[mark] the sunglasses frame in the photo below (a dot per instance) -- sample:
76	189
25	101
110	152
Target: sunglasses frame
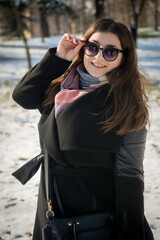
103	49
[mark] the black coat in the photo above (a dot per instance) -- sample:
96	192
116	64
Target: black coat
75	140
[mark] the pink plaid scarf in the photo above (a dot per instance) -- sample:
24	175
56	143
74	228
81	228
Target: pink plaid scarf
70	88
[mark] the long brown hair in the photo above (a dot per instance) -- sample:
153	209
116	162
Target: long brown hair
126	82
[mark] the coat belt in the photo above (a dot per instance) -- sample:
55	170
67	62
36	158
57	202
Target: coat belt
81	172
29	169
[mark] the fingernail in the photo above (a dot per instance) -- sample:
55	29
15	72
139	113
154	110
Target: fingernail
82	40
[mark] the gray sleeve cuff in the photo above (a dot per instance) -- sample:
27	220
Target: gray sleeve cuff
129	160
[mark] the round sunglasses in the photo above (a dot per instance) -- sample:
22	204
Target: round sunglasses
109	53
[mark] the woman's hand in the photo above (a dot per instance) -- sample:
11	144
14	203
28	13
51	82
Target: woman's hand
69	46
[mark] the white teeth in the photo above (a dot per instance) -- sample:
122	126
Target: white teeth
97	65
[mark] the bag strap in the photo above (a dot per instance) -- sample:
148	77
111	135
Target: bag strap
47	183
46	174
50	212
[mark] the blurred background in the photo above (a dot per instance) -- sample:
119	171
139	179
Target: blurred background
27	19
44	18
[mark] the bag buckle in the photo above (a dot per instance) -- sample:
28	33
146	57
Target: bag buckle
70	223
49	213
73	227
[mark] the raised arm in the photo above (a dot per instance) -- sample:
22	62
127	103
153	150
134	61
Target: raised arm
29	92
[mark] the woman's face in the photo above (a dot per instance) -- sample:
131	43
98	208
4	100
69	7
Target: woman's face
97	66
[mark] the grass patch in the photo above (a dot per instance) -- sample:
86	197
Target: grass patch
22	159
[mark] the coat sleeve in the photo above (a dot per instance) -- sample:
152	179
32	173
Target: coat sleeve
129	187
30	90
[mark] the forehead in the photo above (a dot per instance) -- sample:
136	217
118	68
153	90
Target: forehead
105	38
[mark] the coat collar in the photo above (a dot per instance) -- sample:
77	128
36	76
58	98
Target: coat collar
78	128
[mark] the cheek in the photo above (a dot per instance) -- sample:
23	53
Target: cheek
116	63
85	62
119	60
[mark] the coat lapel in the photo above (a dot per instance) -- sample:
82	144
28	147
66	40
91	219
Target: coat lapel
77	127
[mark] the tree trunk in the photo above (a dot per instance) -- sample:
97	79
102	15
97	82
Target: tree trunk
99	4
21	33
27	51
44	25
82	16
137	10
156	15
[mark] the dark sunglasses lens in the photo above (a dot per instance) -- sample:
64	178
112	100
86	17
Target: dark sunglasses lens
91	49
110	54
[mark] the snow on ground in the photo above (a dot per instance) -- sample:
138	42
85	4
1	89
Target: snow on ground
19	140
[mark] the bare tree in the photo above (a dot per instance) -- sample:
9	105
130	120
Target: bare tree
156	14
44	23
20	31
137	8
99	5
82	15
43	17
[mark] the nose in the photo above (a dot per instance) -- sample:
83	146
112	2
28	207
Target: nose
99	54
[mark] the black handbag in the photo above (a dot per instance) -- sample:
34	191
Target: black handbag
87	227
96	226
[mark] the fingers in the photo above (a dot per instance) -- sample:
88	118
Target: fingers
77	48
83	39
69	46
73	39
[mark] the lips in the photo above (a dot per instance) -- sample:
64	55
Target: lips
98	65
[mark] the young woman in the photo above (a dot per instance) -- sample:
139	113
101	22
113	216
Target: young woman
93	125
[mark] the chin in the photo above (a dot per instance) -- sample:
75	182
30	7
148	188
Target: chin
97	75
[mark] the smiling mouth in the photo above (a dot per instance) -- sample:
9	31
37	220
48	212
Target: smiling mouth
98	65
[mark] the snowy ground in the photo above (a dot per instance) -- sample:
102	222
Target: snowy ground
19	141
